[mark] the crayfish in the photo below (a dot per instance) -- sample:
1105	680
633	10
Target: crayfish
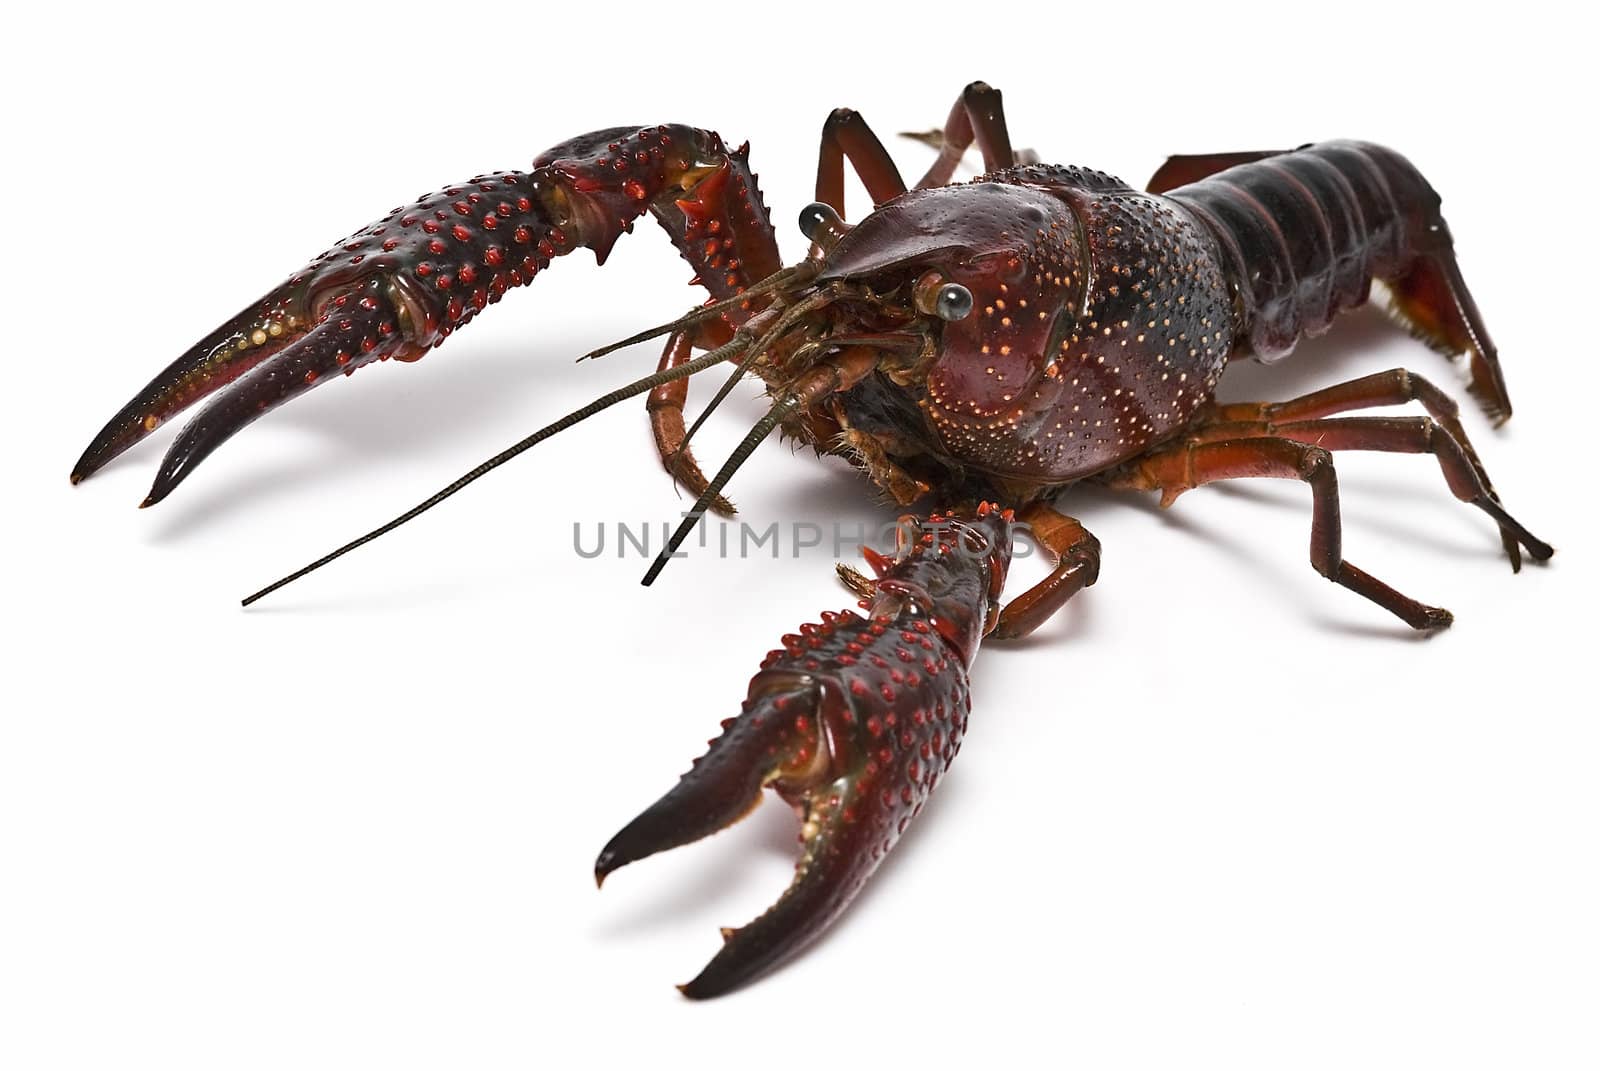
973	346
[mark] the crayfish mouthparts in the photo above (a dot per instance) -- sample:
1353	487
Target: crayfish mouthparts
853	721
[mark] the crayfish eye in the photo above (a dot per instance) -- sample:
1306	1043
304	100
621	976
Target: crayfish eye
821	224
954	302
936	296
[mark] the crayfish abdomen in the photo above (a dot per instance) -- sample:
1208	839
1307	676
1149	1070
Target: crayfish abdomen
1304	234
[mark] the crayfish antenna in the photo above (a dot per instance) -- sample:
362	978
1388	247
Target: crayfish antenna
606	401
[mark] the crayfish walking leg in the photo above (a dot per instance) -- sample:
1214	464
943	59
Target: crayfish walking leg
853	722
1270	446
1306	419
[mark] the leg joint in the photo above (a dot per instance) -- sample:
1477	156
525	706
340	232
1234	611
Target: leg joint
1086	555
841	117
1316	465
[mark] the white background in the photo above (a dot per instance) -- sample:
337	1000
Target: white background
1220	813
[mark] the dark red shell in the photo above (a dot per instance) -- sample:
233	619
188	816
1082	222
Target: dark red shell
449	255
854	720
1101	323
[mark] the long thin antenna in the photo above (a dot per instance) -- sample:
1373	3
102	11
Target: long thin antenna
775	416
722	392
637	387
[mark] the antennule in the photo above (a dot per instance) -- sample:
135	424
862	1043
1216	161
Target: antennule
837	373
789	318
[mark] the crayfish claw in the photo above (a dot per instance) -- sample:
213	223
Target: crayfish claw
779	741
396	288
782	741
853	722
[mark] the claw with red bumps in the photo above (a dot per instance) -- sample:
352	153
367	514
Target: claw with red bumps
853	723
404	284
393	289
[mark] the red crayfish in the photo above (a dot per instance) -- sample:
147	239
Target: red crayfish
977	345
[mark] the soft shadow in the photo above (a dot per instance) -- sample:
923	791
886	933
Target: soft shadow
1387	633
1175	519
1263	559
839	490
258	489
1359	508
427	596
396	421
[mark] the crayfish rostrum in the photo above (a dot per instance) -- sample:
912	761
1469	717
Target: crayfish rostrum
975	347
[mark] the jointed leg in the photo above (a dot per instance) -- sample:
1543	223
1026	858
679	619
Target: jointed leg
1394	387
1077	556
1443	436
1190	464
847	135
1401	435
665	405
977	115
